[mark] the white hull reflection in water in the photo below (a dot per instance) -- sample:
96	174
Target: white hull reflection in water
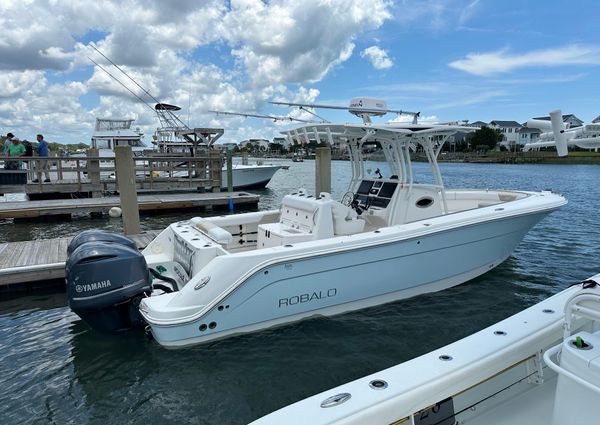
540	366
388	238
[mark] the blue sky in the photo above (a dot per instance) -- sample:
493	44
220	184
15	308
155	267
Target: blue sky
451	60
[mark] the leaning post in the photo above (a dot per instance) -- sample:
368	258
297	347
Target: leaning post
127	193
322	170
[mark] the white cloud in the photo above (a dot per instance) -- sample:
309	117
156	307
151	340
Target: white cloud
436	15
297	42
216	54
502	61
378	57
469	100
468	12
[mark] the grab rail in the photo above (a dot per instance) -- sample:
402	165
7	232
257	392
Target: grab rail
572	306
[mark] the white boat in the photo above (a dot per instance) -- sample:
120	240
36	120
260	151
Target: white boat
540	366
109	133
314	255
176	137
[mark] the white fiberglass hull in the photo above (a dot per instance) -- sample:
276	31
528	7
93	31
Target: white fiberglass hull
347	278
524	370
249	176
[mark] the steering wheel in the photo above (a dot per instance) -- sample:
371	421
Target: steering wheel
347	199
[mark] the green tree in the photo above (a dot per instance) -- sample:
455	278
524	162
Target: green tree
485	136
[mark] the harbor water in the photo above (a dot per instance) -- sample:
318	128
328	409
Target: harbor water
54	369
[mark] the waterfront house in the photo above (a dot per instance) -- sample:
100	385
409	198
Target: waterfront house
509	130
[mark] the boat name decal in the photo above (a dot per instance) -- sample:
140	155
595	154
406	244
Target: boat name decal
183	254
93	286
305	298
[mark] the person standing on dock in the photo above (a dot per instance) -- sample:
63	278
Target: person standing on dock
42	164
29	155
7	143
15	149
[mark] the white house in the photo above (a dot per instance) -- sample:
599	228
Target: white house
528	135
509	130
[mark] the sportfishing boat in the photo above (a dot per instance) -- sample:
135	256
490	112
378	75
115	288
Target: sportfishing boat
109	133
540	366
175	137
315	255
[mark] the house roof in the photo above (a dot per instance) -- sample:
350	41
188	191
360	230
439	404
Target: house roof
505	123
566	117
477	124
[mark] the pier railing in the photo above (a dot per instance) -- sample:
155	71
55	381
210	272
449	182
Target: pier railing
93	173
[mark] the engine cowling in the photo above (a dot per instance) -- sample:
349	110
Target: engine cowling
98	236
105	284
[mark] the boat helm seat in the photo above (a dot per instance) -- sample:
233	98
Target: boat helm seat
346	221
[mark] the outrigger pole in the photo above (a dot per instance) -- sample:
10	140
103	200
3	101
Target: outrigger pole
270	117
174	117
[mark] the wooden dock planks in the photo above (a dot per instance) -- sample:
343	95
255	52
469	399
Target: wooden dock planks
33	209
41	260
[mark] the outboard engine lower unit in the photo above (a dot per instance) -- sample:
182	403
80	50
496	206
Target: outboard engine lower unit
105	284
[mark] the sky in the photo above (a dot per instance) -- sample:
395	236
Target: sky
451	60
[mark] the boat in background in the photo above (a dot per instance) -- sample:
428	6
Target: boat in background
175	137
540	366
315	255
109	133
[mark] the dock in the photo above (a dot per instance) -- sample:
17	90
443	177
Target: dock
43	260
35	209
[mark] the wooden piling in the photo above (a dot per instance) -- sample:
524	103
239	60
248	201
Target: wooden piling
93	169
229	171
215	169
322	170
127	192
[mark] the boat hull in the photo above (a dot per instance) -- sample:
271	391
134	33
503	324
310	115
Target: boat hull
352	279
249	177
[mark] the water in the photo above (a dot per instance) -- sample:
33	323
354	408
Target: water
53	369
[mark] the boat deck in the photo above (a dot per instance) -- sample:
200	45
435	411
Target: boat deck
43	260
533	407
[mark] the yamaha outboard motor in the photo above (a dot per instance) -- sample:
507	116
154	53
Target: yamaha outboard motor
106	282
98	236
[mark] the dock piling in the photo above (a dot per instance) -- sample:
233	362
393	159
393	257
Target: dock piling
229	171
322	170
127	192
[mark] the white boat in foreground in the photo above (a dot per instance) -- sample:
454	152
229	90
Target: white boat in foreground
219	276
538	367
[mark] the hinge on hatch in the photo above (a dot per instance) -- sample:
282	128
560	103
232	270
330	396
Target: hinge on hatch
535	371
